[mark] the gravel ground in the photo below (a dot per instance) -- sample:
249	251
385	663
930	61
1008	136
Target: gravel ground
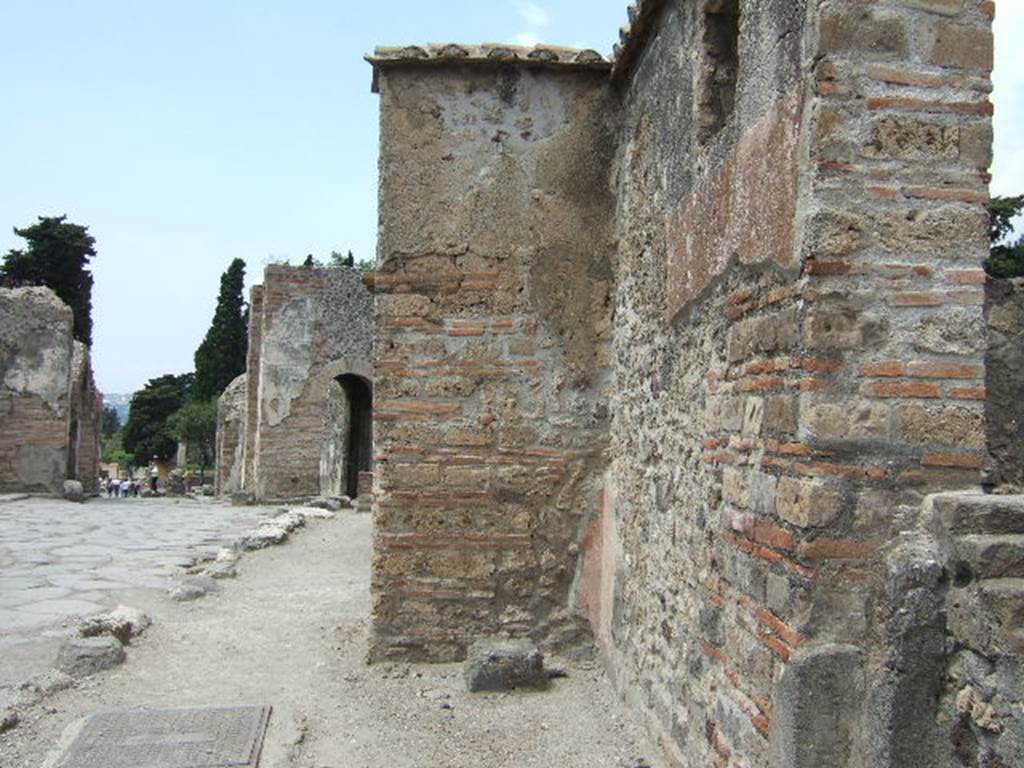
291	632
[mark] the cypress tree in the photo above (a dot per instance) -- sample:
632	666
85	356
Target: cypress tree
57	257
221	356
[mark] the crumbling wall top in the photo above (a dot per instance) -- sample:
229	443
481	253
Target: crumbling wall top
487	55
632	37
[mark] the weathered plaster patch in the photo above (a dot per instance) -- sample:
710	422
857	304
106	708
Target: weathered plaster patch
287	358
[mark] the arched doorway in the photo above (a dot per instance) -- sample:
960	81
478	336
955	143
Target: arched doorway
348	449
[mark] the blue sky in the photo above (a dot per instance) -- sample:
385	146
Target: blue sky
188	133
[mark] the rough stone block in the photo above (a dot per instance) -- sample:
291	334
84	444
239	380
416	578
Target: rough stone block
763	490
735	489
945	425
836	233
840	326
777	331
86	656
989	616
753	416
961	45
990	556
193	588
976	145
905	138
954	331
933	231
975	513
225	565
806	503
861	419
265	536
780	414
73	491
123	622
501	665
861	31
816	707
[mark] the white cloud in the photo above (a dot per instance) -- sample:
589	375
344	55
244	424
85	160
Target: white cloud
528	39
533	14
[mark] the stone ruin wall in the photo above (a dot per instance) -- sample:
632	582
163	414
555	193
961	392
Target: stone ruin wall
800	349
49	407
493	296
86	422
252	387
797	362
230	441
1004	380
307	326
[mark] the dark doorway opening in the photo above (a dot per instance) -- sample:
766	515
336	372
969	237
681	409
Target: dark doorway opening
72	468
359	443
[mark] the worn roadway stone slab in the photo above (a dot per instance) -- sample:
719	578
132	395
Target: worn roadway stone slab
170	738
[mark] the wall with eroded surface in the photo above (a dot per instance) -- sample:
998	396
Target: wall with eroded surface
493	295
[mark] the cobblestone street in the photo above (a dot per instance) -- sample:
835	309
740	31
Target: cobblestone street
59	560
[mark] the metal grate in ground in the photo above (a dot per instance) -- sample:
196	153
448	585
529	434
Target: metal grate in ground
220	737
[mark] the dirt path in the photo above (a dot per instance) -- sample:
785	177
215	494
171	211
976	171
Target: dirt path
291	632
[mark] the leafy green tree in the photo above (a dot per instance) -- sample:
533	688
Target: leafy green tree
57	257
114	452
221	356
1006	258
339	259
195	423
147	433
110	421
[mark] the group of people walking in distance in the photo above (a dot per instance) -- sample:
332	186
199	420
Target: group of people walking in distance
125	487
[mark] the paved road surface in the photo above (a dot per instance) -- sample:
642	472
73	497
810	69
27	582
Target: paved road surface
59	560
291	632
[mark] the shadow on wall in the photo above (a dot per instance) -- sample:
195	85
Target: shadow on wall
348	435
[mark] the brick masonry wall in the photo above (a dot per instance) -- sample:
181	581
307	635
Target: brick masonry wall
315	324
36	356
493	322
799	359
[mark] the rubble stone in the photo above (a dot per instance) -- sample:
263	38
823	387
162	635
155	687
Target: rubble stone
123	622
493	665
86	656
73	491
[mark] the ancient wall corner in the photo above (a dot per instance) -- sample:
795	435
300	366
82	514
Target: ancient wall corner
252	395
230	441
495	263
36	377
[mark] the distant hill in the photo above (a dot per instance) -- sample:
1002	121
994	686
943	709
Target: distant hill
119	403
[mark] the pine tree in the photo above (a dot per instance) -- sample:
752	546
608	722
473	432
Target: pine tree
57	257
221	356
147	433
